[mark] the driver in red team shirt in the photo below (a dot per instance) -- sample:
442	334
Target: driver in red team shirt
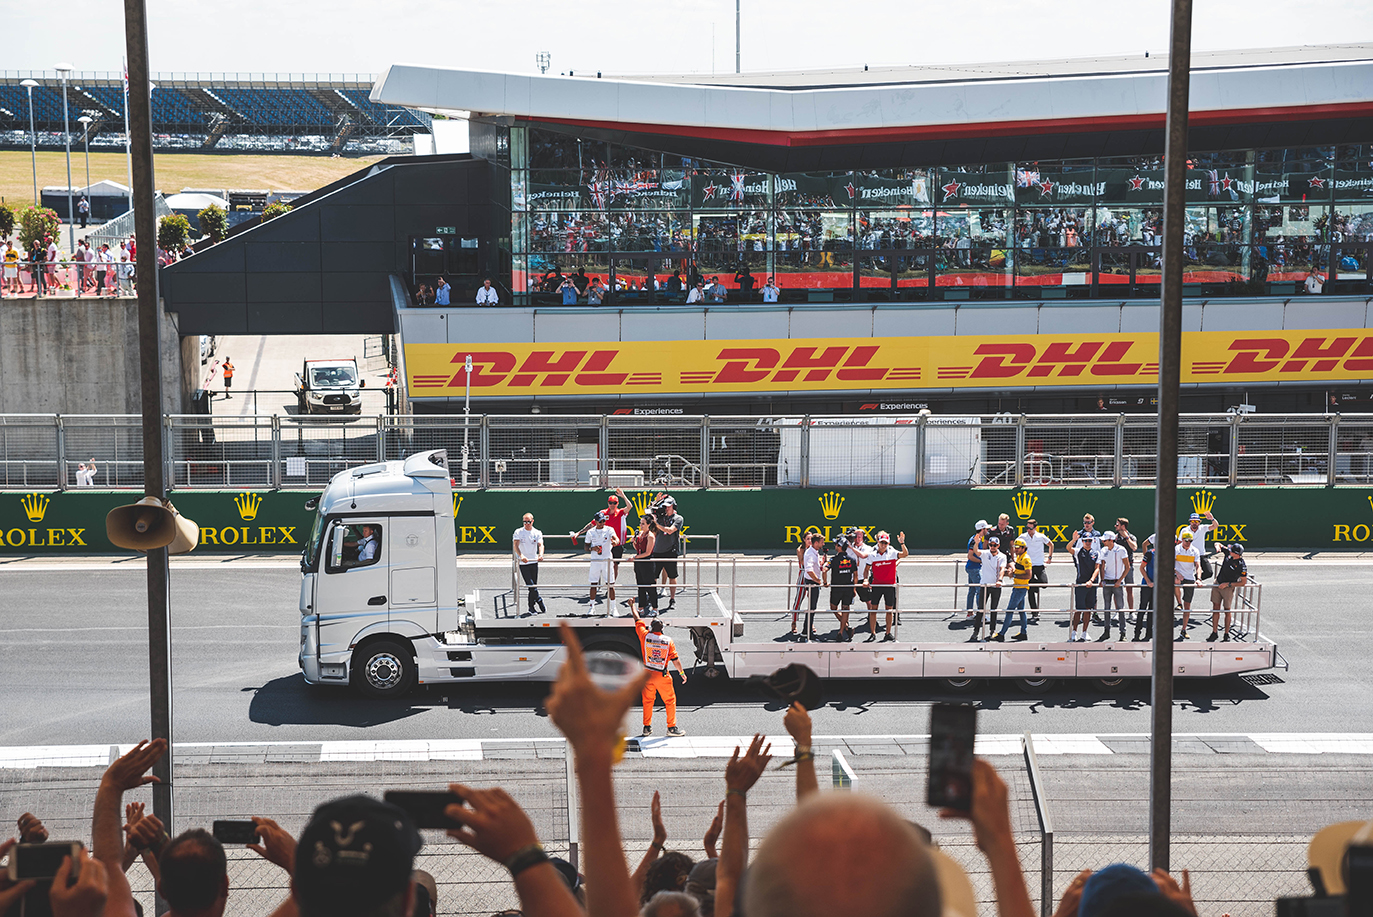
616	511
882	565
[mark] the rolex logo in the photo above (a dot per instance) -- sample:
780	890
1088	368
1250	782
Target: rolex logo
642	501
830	504
248	506
457	504
1202	501
1024	502
1370	501
35	505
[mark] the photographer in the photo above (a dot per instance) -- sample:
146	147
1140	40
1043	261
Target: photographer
667	529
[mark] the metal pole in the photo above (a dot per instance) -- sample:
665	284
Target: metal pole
67	141
1169	376
150	365
736	36
128	148
33	139
466	410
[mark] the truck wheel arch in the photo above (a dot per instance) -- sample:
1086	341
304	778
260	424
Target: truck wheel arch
404	680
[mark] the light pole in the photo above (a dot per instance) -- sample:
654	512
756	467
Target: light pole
64	69
736	36
33	138
86	121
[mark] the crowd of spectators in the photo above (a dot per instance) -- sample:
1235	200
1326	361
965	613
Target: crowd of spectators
835	853
44	269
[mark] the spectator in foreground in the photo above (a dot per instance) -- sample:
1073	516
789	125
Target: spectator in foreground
359	860
194	875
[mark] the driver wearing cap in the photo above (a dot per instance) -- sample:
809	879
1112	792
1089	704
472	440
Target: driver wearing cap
1233	573
599	541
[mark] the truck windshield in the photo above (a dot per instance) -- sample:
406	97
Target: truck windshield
312	547
332	376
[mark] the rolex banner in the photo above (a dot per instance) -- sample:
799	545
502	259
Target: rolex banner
934	520
881	364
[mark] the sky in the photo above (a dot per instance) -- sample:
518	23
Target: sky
642	36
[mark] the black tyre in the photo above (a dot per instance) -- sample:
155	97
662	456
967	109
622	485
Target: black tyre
613	646
384	669
1034	685
1110	685
960	685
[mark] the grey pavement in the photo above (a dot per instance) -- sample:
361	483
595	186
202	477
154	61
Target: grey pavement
76	629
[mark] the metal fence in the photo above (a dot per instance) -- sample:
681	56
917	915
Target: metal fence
565	450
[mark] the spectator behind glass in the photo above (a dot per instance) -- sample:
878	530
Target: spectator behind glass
195	875
569	291
362	869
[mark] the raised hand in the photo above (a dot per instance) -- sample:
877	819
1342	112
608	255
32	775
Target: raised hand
277	845
1179	895
131	770
590	717
86	898
655	811
797	721
713	832
31	829
10	894
742	773
991	812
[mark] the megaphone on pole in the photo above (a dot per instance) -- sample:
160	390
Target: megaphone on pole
151	523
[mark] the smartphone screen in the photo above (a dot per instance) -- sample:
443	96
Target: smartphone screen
953	729
40	861
235	832
426	808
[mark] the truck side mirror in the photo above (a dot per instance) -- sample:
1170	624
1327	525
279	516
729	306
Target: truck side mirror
362	383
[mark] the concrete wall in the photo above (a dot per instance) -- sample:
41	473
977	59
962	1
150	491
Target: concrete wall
80	356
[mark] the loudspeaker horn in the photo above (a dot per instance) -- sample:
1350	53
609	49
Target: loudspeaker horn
151	523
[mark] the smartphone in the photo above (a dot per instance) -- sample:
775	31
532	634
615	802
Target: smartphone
40	861
953	729
426	808
235	832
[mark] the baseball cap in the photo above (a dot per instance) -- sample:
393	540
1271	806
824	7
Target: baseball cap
1104	886
701	880
656	626
993	540
1237	549
1108	536
1328	848
613	499
981	524
601	516
795	683
1187	536
1194	516
355	854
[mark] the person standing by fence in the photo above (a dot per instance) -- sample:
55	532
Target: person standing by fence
1039	548
227	371
528	546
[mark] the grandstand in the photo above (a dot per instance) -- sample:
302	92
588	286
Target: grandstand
324	113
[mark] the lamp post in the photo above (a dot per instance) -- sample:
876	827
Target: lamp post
86	121
33	138
64	69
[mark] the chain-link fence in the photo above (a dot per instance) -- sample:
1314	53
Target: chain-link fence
1094	450
1241	818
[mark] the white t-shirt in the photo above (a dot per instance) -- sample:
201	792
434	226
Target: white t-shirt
1035	545
863	555
1114	560
528	541
811	566
487	296
1187	561
602	538
1199	536
696	295
992	566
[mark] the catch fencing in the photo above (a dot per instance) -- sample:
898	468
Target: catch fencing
1074	809
571	451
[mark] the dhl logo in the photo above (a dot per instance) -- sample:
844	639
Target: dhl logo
544	369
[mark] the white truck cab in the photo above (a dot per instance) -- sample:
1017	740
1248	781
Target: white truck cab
329	387
380	604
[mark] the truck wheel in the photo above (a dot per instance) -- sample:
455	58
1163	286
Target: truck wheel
384	669
1110	685
613	646
1034	685
959	685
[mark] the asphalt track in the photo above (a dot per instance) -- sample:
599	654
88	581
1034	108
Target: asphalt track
73	651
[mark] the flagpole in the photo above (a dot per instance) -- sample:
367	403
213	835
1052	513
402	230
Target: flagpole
128	147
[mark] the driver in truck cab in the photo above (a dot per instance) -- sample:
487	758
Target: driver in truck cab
367	545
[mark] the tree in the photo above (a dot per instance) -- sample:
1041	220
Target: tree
214	222
275	209
6	220
37	223
173	232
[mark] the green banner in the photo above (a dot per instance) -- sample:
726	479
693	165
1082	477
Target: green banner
250	522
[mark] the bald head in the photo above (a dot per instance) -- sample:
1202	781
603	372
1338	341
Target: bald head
842	854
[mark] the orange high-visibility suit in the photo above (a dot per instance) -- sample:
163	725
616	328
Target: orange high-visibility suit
659	651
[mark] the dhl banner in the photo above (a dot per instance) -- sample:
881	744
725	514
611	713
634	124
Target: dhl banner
814	364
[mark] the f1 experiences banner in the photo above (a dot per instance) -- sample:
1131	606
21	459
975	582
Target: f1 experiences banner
881	364
939	519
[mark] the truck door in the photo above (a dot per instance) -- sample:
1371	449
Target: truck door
352	591
413	594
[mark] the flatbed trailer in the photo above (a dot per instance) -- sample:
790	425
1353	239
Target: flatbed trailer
380	611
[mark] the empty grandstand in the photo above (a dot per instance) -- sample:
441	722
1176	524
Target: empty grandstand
257	112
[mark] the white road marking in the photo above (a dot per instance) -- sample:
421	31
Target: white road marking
403	750
1315	743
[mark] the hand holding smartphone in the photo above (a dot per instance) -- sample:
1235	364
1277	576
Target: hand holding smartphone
235	832
40	861
426	808
953	731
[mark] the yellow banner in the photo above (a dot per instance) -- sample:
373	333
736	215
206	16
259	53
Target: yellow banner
814	364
